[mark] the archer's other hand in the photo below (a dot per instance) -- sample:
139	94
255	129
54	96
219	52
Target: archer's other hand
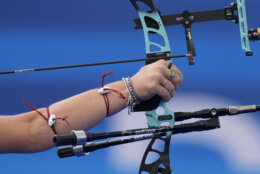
157	79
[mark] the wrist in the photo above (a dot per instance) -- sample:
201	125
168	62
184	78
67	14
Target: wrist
132	99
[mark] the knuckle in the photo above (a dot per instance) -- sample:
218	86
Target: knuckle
161	61
178	71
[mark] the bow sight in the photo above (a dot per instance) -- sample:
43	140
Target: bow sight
236	12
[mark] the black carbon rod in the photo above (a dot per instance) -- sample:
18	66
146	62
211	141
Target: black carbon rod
201	16
74	137
216	112
90	64
80	150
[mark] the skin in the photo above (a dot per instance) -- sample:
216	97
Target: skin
32	133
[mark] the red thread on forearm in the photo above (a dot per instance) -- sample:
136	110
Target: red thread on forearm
106	99
26	103
104	75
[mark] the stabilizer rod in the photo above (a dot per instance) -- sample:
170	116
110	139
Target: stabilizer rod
80	150
216	112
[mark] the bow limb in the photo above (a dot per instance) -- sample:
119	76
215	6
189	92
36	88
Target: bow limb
241	9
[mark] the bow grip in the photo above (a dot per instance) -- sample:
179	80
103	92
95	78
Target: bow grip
154	102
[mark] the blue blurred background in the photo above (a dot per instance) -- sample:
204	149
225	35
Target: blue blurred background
36	33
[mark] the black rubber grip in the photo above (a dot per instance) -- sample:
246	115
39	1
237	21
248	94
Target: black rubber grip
64	152
154	102
63	140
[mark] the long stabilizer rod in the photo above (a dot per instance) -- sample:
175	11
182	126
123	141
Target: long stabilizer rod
81	137
216	112
84	149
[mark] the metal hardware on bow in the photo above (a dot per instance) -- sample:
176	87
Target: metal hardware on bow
254	34
236	12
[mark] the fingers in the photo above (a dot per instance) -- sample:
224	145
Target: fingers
159	78
173	74
176	80
166	89
170	81
166	92
176	70
169	86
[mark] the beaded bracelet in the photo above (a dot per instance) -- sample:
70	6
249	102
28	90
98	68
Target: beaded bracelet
132	97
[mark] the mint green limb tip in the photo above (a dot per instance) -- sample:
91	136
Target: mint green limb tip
241	8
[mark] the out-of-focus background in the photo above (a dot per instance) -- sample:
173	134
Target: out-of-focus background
36	33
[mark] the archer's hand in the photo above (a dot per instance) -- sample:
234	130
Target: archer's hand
154	79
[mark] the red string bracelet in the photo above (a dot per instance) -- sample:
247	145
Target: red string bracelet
51	118
105	90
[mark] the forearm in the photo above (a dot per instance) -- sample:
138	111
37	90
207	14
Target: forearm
33	134
87	109
24	133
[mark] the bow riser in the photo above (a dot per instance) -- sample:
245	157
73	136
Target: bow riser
152	24
152	19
